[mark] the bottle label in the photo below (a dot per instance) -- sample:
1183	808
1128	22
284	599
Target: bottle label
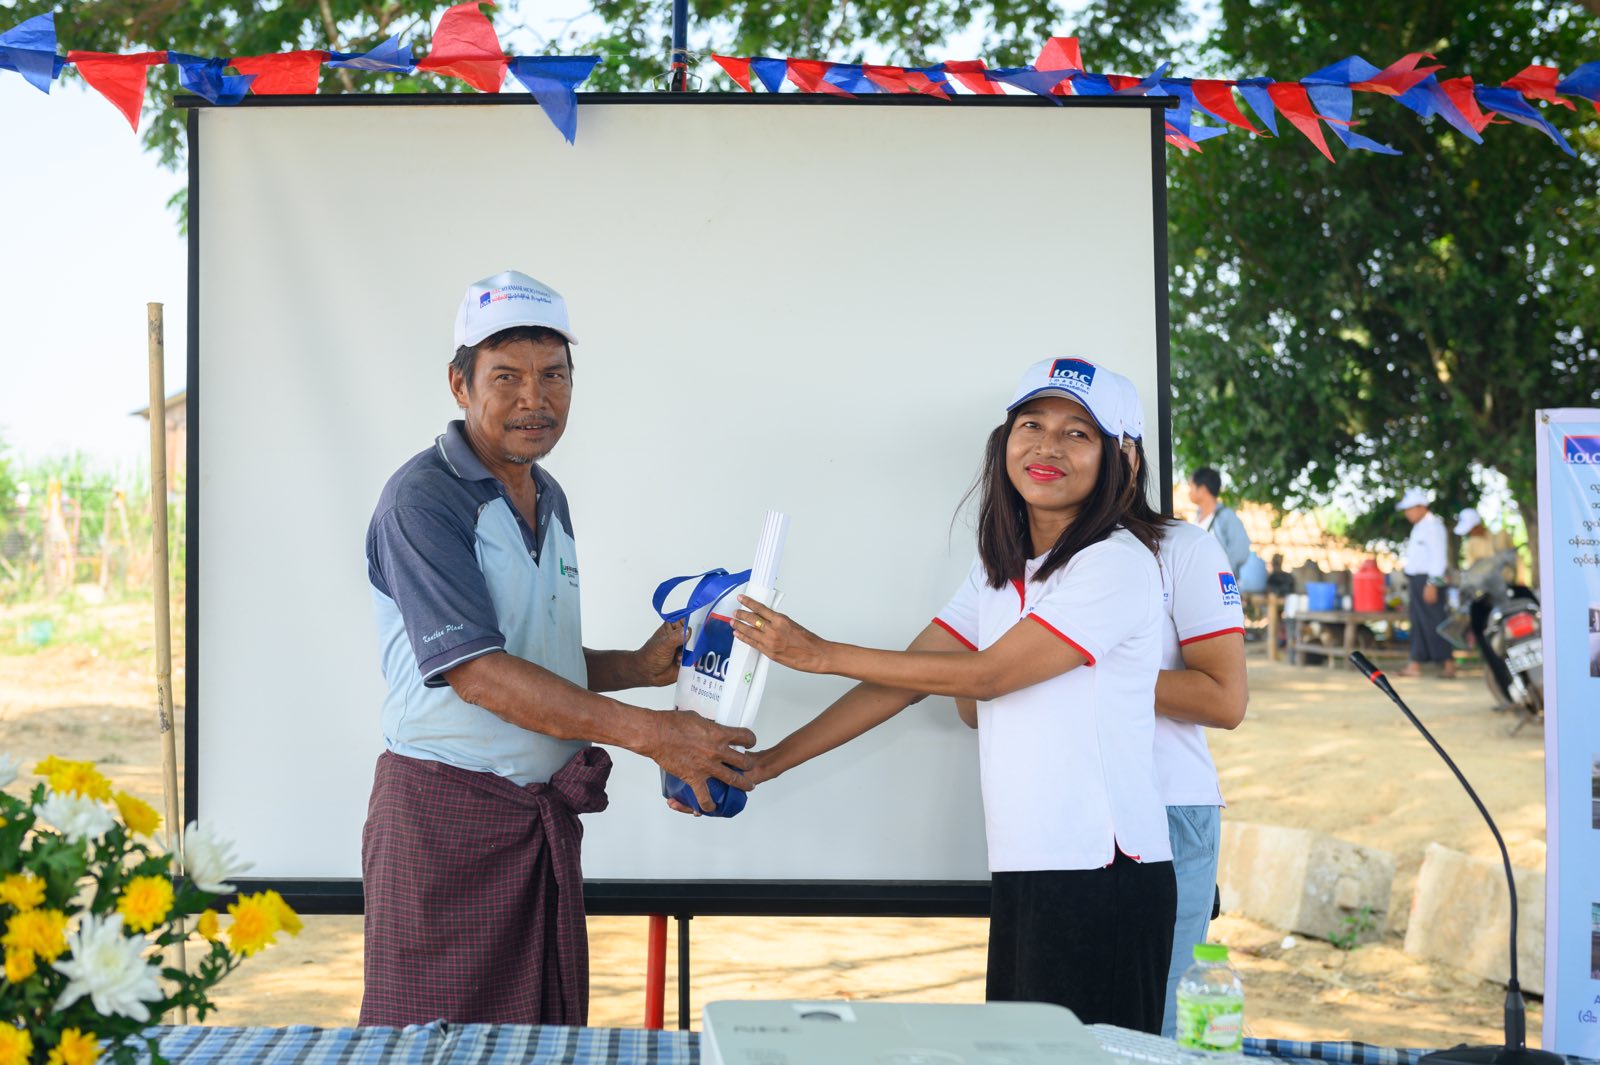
1211	1025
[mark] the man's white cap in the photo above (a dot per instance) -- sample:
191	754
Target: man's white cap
1102	392
1414	497
505	300
1468	520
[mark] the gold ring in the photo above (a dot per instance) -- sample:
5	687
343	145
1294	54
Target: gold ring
758	623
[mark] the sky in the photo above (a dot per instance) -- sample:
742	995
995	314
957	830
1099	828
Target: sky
89	241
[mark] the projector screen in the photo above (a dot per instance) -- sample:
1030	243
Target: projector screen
813	306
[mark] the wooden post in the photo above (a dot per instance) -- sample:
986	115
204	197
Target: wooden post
1274	615
160	584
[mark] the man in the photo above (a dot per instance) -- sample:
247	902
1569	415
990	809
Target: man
1218	518
1425	563
470	856
1202	684
1477	542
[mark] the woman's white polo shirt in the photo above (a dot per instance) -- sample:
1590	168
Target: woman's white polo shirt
1067	765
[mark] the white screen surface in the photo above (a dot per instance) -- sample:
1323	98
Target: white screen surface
816	309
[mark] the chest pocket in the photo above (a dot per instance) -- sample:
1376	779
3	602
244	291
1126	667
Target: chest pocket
535	602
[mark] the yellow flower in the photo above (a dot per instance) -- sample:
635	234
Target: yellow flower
19	964
255	924
288	920
145	902
16	1045
207	925
44	932
137	814
74	778
22	891
75	1048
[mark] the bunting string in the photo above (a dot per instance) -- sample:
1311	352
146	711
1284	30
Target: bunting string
465	46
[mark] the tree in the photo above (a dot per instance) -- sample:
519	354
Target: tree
1388	320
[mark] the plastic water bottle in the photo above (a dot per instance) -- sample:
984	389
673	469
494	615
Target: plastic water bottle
1211	1002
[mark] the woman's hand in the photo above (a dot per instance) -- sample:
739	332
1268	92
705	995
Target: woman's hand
779	638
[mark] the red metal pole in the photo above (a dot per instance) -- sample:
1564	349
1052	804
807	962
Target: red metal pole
655	973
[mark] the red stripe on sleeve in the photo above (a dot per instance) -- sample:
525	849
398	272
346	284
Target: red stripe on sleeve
1068	640
968	644
1209	636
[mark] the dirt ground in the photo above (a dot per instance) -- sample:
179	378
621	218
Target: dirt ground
1320	749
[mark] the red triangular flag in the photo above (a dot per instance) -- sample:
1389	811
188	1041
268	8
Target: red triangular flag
1398	77
465	47
1217	97
285	74
889	79
1290	97
1179	141
1460	92
969	72
119	78
807	76
1539	83
737	69
1059	53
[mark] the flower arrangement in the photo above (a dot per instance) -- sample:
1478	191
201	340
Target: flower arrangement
88	903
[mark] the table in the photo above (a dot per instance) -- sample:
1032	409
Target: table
487	1044
1351	620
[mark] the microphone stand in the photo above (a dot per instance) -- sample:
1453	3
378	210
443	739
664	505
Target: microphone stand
1515	1051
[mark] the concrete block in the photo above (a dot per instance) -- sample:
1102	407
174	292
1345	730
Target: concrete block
1461	915
1303	881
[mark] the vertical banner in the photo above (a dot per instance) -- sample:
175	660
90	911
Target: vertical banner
1569	578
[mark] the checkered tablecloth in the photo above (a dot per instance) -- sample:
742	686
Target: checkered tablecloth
482	1044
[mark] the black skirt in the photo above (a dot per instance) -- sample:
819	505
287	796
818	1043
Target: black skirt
1097	941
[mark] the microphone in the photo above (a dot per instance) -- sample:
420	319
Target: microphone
1515	1051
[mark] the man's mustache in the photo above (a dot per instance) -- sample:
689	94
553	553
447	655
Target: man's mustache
541	422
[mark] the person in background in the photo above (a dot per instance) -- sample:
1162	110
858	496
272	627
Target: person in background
1202	684
1217	518
1426	560
1477	542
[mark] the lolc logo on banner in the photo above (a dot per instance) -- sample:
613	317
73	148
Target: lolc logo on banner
1581	450
1075	375
1230	589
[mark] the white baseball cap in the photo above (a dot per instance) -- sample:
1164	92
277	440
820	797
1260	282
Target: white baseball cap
1101	391
1414	497
1132	410
506	300
1468	520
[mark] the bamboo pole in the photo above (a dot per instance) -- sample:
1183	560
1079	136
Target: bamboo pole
159	579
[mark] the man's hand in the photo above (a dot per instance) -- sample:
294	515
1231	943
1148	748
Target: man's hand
693	749
779	638
659	657
1430	593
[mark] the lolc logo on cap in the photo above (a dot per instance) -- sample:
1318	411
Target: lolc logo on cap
1075	375
483	300
1230	589
1582	450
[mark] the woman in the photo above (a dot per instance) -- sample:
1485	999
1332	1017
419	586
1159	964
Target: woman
1056	634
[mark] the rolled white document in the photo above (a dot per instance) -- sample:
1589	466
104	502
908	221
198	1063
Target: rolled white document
741	695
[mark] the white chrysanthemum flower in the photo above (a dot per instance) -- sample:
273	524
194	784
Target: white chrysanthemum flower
110	968
76	817
8	769
209	861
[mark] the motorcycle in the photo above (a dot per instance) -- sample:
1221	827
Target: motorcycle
1501	619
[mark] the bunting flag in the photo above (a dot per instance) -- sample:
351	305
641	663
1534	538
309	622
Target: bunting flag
287	74
465	46
121	79
205	78
29	48
389	57
553	80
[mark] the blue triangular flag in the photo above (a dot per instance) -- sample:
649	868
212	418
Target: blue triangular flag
771	72
29	48
1254	91
1334	101
1510	104
391	55
554	80
205	78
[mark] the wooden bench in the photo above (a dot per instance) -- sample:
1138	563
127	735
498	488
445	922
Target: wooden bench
1350	621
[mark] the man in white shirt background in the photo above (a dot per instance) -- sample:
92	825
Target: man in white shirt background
1427	557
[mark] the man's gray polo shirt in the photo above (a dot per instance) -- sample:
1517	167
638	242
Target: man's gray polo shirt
456	573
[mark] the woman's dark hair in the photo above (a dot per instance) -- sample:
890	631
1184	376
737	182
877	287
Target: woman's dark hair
1004	544
465	362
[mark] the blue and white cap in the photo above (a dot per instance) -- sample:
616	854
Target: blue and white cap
1132	410
507	300
1102	392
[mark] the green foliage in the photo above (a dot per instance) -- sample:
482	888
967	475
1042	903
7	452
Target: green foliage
1387	320
1353	927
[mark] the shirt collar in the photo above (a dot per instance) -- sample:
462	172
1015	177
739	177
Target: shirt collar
465	464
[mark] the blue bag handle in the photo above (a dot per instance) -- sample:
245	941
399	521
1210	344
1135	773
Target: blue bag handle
714	584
